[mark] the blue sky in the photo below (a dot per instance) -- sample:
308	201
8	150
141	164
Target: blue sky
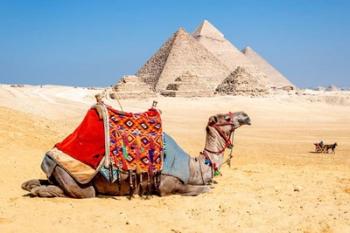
93	43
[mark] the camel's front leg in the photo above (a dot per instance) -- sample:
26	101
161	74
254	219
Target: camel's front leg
30	184
172	185
193	190
70	187
42	188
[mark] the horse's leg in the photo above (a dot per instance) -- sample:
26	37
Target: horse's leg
172	185
70	186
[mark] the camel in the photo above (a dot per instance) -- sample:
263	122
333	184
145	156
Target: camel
219	129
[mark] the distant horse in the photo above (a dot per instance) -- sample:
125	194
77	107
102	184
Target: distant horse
328	147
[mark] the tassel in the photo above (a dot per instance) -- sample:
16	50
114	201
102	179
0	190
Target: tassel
119	182
110	173
148	184
217	173
131	184
158	180
139	187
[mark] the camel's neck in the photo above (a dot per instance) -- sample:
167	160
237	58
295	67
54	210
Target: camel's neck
214	143
201	172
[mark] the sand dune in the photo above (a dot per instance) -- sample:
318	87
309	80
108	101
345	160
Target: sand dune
274	185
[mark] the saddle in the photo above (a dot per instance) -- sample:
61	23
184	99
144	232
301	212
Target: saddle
111	142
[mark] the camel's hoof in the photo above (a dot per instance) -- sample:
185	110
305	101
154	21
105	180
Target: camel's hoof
30	184
47	191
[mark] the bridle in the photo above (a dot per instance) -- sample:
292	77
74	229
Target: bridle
227	139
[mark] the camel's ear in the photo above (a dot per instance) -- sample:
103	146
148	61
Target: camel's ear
212	120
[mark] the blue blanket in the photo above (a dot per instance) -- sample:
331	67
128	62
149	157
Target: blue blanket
176	161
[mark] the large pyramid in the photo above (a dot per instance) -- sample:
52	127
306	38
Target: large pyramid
276	79
212	39
182	55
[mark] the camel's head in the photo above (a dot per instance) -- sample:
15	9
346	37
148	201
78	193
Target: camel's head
241	118
230	121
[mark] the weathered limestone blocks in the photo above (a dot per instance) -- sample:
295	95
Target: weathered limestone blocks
132	86
241	82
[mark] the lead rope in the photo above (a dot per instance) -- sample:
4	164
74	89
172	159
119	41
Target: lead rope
118	100
228	160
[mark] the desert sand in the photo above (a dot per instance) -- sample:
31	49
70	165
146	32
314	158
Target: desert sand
275	184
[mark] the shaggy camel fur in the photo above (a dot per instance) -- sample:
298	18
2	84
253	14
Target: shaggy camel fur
218	131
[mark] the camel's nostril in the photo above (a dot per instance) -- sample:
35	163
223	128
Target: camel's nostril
249	122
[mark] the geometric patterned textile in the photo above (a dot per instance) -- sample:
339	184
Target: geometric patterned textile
136	142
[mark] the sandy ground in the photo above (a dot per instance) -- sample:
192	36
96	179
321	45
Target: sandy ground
276	183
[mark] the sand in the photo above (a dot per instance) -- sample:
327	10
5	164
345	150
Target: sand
276	183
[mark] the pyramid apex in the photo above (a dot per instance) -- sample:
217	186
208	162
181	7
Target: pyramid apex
247	49
208	30
181	31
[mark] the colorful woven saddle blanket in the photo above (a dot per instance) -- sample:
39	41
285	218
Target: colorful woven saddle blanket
129	142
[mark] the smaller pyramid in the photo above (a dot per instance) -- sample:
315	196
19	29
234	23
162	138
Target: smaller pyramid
242	82
131	86
275	78
188	85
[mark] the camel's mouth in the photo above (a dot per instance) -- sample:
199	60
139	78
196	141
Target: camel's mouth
248	122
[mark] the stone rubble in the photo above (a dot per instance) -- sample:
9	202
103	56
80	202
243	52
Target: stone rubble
131	86
242	82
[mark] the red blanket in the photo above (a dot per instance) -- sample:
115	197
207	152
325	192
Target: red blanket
87	142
